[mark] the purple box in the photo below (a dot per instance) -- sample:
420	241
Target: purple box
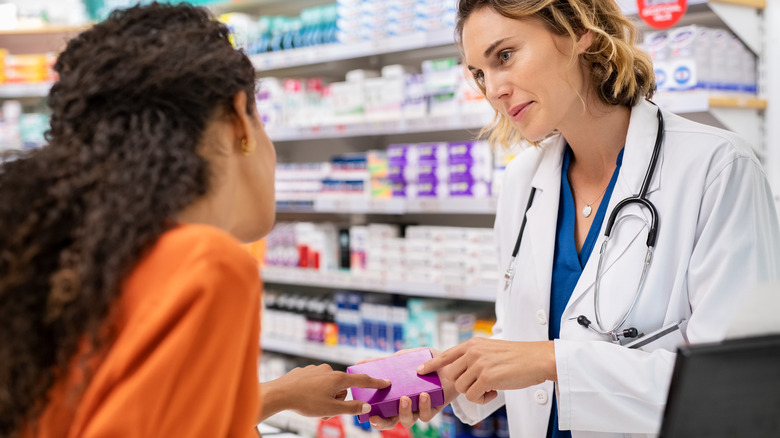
469	187
401	370
401	153
433	152
400	189
470	151
430	188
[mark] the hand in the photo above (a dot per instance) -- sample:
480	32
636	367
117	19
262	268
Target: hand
425	411
480	366
316	391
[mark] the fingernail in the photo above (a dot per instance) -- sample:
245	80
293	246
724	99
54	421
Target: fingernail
366	408
388	382
373	425
404	403
420	369
424	397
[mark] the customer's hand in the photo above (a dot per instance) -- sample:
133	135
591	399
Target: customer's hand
316	391
425	412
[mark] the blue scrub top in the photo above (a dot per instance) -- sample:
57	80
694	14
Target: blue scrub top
567	263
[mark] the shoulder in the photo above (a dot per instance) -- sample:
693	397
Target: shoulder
194	262
702	142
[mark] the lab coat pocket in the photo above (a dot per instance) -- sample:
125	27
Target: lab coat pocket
669	337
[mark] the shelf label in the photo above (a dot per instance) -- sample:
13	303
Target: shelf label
661	14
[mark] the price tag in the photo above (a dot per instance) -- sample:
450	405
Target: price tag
661	14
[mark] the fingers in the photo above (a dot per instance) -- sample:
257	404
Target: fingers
489	396
355	407
363	381
424	410
380	423
443	359
405	414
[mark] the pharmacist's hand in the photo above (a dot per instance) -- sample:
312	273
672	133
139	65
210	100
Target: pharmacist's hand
480	366
425	411
318	391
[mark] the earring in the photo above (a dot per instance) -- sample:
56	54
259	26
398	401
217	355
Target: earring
247	148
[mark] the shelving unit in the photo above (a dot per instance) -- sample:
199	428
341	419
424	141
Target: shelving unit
372	283
392	206
31	90
745	115
320	352
309	56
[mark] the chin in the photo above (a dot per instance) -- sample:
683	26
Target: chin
256	228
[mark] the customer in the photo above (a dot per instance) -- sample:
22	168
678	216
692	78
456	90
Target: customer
567	76
127	306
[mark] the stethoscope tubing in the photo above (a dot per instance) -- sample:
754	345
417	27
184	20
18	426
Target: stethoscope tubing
652	235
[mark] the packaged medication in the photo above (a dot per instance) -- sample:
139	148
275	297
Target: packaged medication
401	370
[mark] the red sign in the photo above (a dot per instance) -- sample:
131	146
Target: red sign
661	14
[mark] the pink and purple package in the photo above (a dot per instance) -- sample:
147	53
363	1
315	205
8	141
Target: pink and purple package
401	370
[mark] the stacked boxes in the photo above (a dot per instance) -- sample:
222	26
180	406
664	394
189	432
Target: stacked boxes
441	170
426	255
697	57
371	321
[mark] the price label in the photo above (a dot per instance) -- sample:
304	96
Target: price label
661	14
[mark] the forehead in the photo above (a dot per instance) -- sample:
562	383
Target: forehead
485	27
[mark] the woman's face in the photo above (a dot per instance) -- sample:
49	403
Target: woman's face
526	70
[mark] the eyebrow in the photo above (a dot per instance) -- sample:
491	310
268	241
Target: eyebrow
490	50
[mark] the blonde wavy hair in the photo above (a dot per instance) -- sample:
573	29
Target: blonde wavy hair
620	73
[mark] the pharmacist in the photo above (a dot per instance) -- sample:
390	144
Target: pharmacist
584	344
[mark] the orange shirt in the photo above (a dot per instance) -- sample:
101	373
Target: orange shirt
184	362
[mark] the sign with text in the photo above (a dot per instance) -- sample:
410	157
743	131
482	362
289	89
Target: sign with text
661	14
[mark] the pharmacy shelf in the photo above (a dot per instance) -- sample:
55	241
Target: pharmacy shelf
39	40
741	114
318	351
393	206
743	17
694	101
448	122
345	280
341	52
24	90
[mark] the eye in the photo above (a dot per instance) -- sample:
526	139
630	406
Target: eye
505	55
479	77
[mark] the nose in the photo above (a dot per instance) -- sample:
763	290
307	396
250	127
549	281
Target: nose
496	86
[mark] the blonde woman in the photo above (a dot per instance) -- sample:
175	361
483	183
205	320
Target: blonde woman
584	345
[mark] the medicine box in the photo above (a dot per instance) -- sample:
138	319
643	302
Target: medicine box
401	370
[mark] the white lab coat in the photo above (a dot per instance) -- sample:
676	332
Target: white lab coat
718	236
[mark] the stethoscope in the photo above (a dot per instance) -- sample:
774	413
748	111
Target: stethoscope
614	333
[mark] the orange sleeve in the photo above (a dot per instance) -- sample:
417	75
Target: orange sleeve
186	364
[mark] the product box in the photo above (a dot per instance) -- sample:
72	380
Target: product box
401	370
468	187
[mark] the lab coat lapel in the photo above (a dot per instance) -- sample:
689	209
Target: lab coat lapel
543	215
640	140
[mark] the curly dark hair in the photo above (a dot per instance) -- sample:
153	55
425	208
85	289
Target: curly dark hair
134	97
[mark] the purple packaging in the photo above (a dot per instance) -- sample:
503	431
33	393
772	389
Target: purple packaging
470	151
431	189
401	370
400	189
401	153
460	170
468	187
395	172
433	152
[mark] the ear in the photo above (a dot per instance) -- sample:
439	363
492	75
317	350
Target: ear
584	42
242	124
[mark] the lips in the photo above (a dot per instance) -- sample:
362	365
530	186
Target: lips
519	111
